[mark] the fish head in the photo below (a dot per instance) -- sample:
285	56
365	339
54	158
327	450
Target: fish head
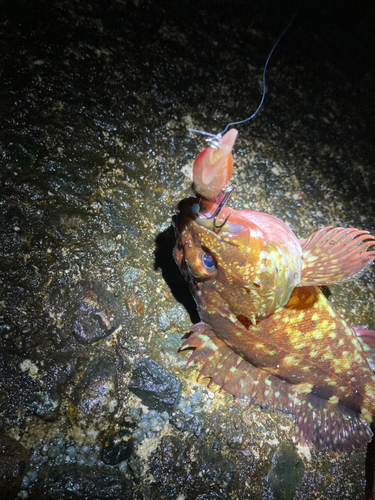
230	255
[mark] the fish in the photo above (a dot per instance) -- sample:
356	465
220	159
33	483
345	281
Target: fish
267	334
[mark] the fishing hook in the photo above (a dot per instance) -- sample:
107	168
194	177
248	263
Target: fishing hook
227	192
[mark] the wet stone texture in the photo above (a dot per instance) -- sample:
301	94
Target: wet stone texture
155	386
95	153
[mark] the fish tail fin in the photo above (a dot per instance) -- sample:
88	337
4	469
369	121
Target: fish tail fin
335	254
317	421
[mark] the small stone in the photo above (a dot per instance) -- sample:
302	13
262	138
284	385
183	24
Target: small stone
25	483
138	436
165	416
81	459
123	466
59	443
35	458
52	452
155	425
71	451
85	449
135	413
32	475
46	405
92	459
60	459
155	386
117	447
144	425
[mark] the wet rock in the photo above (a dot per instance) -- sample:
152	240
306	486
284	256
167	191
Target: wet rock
97	100
46	405
14	463
117	447
172	468
136	468
286	474
68	482
188	423
155	386
95	313
94	398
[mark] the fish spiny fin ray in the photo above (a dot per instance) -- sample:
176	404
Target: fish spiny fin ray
318	422
367	339
334	254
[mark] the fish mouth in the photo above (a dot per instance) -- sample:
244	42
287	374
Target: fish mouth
225	223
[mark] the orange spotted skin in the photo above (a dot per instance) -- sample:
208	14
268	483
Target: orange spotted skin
305	343
253	279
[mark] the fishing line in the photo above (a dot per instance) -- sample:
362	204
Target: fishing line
214	140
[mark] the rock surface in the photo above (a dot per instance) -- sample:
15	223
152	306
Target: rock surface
95	153
155	386
14	463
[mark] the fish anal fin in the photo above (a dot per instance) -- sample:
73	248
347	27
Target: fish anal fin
334	254
318	422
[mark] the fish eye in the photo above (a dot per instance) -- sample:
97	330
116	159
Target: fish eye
202	265
195	208
208	261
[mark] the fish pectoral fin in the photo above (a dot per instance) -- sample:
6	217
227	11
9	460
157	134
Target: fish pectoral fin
334	254
326	424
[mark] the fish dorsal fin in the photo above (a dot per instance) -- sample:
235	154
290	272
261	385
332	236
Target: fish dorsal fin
335	254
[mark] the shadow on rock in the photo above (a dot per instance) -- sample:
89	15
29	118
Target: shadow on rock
164	260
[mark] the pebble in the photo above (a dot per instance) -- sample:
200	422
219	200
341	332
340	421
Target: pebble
25	482
85	449
144	425
92	459
148	425
32	475
165	416
71	451
135	413
52	452
138	436
81	459
116	448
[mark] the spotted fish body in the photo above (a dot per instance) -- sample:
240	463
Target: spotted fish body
267	333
